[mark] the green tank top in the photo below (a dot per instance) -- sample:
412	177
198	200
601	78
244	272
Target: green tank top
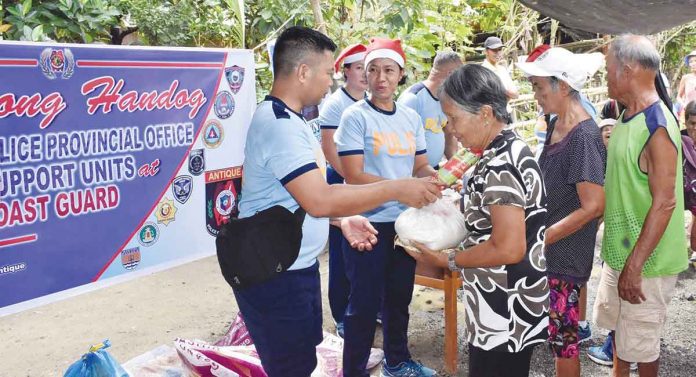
628	197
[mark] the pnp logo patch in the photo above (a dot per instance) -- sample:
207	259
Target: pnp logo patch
225	202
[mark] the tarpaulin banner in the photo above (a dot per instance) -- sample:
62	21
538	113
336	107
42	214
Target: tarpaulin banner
115	160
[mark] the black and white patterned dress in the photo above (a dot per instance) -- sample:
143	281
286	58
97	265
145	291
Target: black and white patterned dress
507	306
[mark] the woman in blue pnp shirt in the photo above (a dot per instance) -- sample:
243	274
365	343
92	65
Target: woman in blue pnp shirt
379	140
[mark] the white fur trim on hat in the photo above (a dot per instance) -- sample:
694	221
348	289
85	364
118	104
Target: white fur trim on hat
354	58
384	53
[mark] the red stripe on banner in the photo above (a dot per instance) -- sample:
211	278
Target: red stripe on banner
18	240
137	64
19	62
176	171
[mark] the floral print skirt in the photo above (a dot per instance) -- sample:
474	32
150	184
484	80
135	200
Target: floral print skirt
564	312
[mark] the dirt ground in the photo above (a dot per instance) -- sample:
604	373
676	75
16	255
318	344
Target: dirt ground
193	301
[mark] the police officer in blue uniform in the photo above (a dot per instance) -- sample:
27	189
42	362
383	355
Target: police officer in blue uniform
284	165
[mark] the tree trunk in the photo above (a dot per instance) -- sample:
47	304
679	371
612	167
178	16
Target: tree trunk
318	17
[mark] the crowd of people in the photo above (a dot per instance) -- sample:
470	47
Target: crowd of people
531	217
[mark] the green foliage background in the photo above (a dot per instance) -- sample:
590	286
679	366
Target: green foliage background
424	26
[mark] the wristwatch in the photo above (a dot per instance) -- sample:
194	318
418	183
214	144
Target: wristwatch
451	264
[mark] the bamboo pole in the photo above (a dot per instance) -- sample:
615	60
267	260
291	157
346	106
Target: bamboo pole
318	16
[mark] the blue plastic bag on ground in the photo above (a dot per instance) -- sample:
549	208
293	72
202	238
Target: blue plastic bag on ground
96	363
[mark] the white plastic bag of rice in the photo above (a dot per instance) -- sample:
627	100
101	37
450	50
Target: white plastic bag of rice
438	226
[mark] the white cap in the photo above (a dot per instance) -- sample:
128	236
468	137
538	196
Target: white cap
574	69
607	122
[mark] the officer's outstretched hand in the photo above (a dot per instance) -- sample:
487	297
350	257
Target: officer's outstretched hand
418	192
359	232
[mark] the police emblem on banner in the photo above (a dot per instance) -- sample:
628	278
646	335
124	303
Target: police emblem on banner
222	188
130	258
225	202
165	212
57	62
182	186
235	77
148	234
213	134
224	105
196	161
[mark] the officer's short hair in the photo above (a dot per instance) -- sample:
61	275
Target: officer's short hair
294	46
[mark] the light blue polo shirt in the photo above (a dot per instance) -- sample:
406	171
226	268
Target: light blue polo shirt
280	147
419	98
389	142
331	110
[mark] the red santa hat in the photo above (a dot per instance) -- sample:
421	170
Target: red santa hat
351	54
385	48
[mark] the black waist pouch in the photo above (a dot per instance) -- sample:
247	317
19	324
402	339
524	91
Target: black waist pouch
258	248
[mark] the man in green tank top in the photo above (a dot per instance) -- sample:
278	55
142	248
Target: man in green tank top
644	245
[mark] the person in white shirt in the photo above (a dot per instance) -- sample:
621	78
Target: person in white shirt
494	61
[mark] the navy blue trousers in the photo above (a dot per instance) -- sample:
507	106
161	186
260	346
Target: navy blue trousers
283	316
339	287
381	279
